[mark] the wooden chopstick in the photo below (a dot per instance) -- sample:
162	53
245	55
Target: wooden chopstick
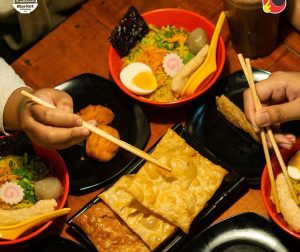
274	144
257	105
104	134
270	134
262	132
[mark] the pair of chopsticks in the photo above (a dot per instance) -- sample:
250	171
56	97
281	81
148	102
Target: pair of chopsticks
246	66
103	134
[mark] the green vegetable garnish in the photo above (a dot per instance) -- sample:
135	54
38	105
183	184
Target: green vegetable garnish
33	169
28	188
188	57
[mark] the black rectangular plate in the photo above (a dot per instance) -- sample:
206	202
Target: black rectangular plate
231	188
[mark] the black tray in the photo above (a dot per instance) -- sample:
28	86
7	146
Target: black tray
232	187
246	232
130	120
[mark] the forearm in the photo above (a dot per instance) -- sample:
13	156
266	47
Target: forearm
9	82
11	119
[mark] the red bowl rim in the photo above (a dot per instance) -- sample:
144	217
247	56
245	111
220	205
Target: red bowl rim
276	217
60	205
213	79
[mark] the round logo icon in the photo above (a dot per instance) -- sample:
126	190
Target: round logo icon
273	6
25	6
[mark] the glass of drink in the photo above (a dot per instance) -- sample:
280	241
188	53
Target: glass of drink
253	32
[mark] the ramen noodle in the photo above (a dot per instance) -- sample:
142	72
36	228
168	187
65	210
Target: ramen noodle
151	51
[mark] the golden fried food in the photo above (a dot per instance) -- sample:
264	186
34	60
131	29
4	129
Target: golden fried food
181	194
99	148
101	114
107	231
288	207
11	217
152	228
234	115
182	76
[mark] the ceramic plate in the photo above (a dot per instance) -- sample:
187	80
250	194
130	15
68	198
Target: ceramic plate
247	232
55	243
130	121
220	138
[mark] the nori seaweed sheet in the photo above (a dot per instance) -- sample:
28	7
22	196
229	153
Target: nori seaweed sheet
129	31
16	144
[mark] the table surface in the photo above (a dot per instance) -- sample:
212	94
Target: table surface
79	45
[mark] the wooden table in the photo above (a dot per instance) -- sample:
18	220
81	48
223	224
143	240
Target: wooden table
80	45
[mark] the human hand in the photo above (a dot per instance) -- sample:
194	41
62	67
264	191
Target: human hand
51	128
280	98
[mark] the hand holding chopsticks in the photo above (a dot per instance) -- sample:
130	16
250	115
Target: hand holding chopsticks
248	73
105	135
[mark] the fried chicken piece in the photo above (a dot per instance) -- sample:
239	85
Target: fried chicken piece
101	114
235	115
99	148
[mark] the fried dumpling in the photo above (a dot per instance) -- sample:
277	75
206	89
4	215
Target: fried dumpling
152	228
181	194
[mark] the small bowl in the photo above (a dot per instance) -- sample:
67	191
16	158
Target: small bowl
266	189
179	18
60	171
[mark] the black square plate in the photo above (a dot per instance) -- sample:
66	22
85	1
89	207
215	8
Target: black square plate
130	120
231	188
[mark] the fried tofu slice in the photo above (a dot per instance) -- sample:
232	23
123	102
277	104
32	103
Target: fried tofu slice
235	115
107	231
152	228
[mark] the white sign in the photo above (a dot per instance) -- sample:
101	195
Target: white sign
25	6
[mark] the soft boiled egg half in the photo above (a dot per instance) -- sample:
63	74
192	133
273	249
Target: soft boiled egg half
138	78
294	166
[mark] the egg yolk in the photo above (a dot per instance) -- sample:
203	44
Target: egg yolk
145	80
295	160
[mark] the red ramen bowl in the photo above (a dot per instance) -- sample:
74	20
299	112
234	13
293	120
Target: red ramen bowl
52	159
179	18
266	189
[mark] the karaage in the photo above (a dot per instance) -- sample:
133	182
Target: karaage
99	113
99	148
